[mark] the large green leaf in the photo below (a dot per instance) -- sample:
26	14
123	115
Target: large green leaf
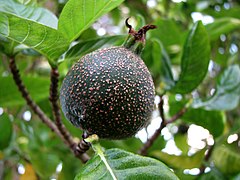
212	120
44	162
214	174
232	12
6	131
124	165
158	61
169	33
78	15
181	142
84	47
46	40
180	162
31	12
10	96
195	60
226	159
131	144
222	26
227	94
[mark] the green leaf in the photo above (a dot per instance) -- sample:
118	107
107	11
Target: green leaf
131	144
44	162
10	96
78	15
125	165
84	47
227	94
212	120
158	61
226	159
181	142
195	60
41	38
180	162
169	33
38	14
158	144
6	131
214	174
222	26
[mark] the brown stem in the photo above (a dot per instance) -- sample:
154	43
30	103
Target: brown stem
77	148
177	116
150	141
56	110
36	109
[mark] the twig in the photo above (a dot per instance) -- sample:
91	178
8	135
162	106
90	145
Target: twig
206	158
78	149
56	110
36	109
150	141
177	116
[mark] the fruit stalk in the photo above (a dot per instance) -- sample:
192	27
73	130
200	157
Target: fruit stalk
136	39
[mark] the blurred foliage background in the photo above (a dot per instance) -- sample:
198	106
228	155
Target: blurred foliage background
29	150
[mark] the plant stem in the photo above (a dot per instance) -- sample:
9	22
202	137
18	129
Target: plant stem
150	141
25	94
78	149
55	107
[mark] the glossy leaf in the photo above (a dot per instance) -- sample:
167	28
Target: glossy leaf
195	60
31	12
232	12
84	47
214	121
227	160
78	15
125	165
44	162
131	144
169	33
214	174
41	38
211	120
222	26
181	142
227	94
158	61
10	96
182	161
5	131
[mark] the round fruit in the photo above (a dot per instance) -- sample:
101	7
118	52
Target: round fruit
108	92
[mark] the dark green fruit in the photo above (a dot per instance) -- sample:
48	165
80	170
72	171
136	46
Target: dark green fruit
108	92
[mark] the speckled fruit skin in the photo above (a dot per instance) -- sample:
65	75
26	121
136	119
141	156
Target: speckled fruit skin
108	92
